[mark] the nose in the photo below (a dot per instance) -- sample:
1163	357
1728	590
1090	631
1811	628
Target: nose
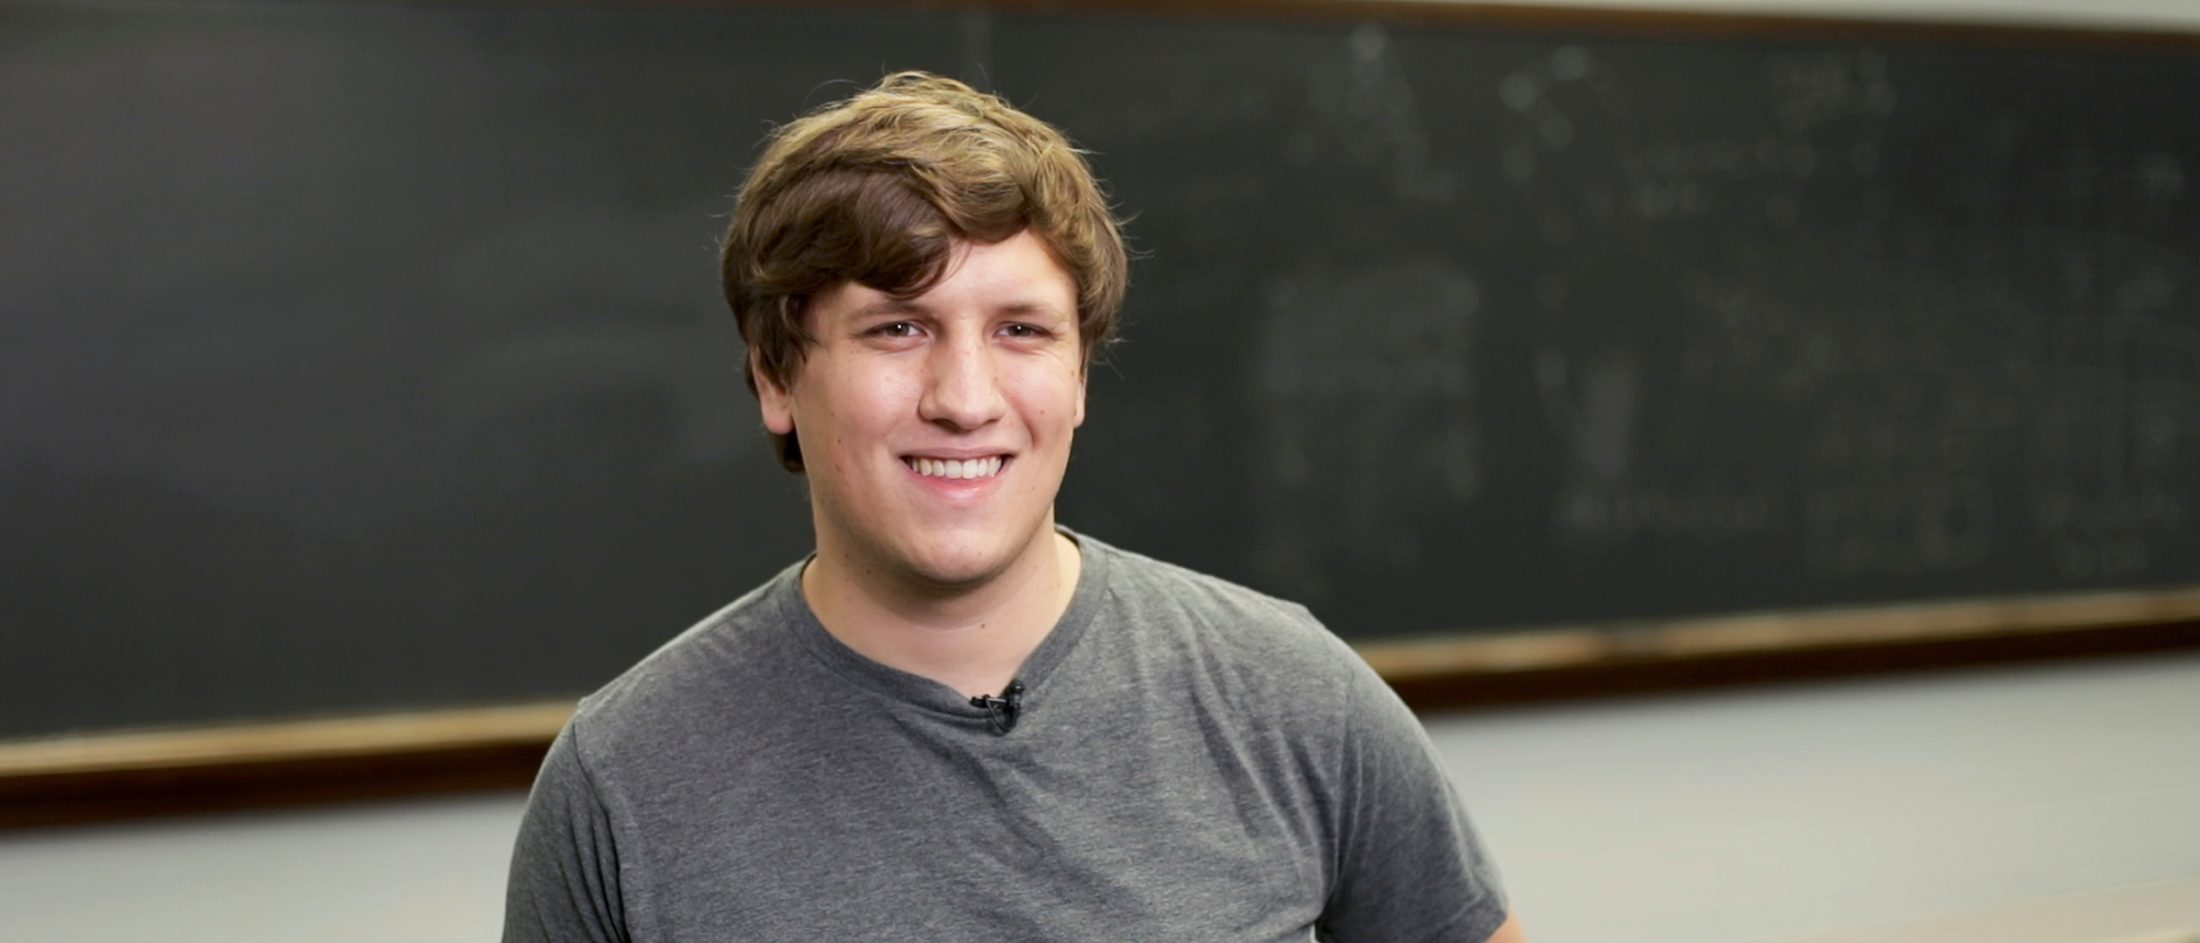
962	389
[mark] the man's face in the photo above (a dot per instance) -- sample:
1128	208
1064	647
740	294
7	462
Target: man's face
935	430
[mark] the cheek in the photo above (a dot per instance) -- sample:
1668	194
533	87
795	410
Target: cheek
873	408
857	414
1053	400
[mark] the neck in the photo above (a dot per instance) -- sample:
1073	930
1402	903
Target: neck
970	638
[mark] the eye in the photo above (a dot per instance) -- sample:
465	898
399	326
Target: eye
1020	329
895	329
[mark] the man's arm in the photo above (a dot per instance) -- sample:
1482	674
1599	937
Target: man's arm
1408	865
1509	933
564	883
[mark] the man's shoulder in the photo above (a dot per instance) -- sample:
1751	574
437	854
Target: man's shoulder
1138	578
1223	627
706	671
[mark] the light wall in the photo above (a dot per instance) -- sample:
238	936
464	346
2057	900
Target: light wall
2180	15
2046	805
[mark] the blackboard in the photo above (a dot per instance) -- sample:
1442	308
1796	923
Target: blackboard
363	356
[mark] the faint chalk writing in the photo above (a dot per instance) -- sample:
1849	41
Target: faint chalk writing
1576	146
1364	388
1810	90
2118	405
1366	108
2161	176
1907	526
1597	417
1641	431
1697	515
1563	144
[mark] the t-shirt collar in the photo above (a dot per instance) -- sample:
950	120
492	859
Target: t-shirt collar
785	591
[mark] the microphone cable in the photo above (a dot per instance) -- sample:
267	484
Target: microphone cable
1001	712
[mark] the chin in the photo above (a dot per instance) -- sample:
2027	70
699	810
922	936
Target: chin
955	571
965	561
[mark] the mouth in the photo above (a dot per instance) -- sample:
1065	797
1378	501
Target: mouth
957	469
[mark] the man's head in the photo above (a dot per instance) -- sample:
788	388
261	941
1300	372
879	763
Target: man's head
880	190
922	275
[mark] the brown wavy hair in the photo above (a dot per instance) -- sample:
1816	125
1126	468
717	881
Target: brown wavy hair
878	190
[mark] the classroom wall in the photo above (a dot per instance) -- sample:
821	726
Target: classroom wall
2049	804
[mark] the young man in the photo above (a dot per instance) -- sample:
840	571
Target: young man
957	720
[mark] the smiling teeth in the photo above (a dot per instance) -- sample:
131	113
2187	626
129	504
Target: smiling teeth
973	468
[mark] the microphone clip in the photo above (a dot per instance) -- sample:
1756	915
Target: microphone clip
1001	712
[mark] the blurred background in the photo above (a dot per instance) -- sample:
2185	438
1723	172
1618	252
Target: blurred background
1762	438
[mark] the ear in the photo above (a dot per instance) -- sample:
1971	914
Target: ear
777	406
1082	373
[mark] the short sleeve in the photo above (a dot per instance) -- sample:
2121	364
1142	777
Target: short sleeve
564	883
1409	868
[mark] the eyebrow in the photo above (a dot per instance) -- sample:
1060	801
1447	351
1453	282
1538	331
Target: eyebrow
1032	307
896	307
886	307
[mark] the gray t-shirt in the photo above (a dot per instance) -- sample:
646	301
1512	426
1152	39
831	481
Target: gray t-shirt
1193	761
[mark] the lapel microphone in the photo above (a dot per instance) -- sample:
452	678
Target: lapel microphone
1001	711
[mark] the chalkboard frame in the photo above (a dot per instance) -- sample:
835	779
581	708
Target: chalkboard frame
104	776
79	779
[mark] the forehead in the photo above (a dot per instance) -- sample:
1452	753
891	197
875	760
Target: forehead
1019	274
